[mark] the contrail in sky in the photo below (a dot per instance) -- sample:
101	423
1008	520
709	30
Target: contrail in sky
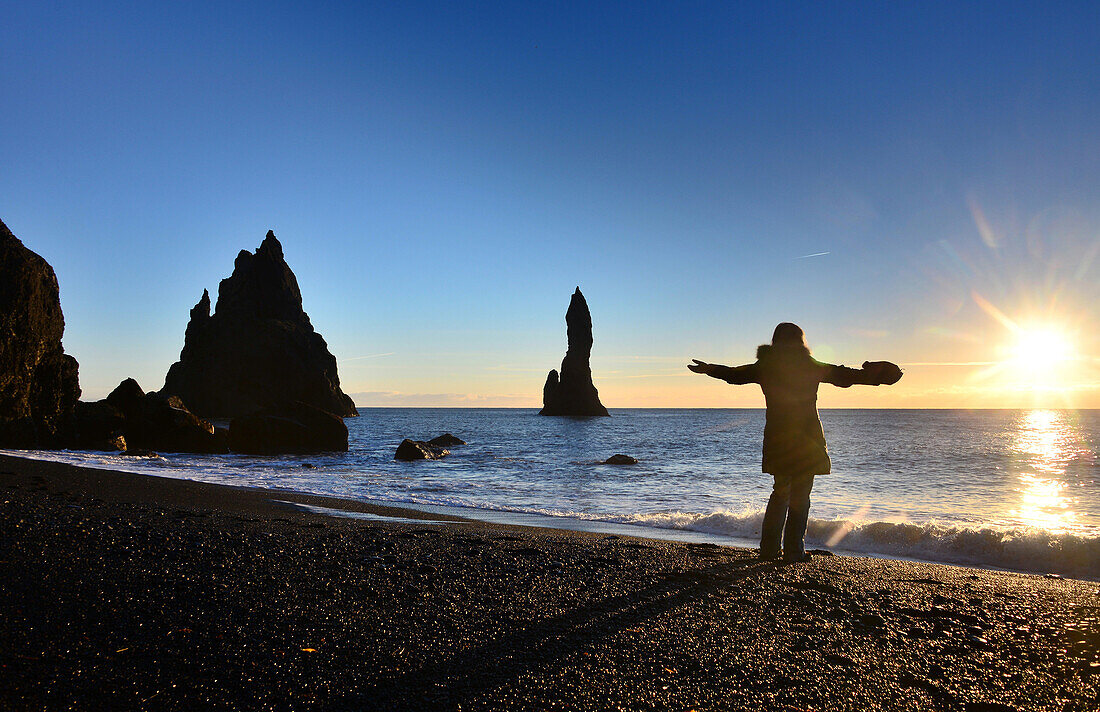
360	358
816	254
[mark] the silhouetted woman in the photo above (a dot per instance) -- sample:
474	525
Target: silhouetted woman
794	444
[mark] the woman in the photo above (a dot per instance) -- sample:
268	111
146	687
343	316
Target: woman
794	445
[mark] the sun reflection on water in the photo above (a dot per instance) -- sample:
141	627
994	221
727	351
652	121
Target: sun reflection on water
1045	440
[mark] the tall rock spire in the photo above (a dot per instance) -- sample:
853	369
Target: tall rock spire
572	393
258	348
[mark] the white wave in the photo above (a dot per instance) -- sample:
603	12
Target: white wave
1028	549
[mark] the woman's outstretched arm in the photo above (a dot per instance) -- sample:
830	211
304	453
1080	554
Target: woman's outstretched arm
738	375
873	373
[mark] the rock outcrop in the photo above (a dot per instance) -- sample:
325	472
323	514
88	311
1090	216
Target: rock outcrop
621	459
38	381
258	348
132	420
99	426
572	393
446	440
293	427
410	450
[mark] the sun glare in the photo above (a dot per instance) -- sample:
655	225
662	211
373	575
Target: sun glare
1045	444
1040	355
1041	349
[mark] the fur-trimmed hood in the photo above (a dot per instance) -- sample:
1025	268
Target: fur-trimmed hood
768	351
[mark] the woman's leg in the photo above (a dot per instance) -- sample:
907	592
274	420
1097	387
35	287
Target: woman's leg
771	530
794	548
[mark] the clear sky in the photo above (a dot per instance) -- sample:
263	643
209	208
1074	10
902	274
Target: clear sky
917	182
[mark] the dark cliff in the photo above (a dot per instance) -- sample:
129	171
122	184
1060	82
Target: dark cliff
258	348
572	392
38	381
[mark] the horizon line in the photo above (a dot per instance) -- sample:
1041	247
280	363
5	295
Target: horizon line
707	407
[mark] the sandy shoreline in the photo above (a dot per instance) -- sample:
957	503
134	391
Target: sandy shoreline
128	591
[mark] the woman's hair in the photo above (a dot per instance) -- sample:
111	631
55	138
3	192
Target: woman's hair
787	340
788	334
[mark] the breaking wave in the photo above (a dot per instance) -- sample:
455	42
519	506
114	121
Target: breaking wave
1027	549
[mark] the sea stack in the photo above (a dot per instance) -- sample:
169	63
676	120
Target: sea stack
572	393
258	349
38	381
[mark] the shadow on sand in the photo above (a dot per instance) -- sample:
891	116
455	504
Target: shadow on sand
467	674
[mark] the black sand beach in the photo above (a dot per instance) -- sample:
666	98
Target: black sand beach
124	591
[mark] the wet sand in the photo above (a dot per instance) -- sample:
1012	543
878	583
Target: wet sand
124	591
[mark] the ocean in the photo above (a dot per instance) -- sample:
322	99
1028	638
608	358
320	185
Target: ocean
1011	489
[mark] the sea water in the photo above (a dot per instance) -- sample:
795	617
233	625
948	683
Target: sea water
1015	489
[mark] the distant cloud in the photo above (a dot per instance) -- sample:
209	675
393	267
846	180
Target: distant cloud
515	369
397	399
643	359
666	374
951	363
1005	396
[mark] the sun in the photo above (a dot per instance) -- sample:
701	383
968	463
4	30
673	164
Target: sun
1041	351
1040	354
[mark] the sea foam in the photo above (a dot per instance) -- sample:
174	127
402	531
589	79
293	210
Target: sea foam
1028	549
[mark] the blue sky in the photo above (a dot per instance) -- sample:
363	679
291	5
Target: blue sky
442	175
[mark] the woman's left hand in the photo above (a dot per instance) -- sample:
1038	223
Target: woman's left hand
884	373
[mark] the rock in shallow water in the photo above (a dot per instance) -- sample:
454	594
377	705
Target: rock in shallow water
620	460
572	392
446	440
410	450
293	427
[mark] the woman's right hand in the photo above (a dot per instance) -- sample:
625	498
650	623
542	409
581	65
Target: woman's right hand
699	366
